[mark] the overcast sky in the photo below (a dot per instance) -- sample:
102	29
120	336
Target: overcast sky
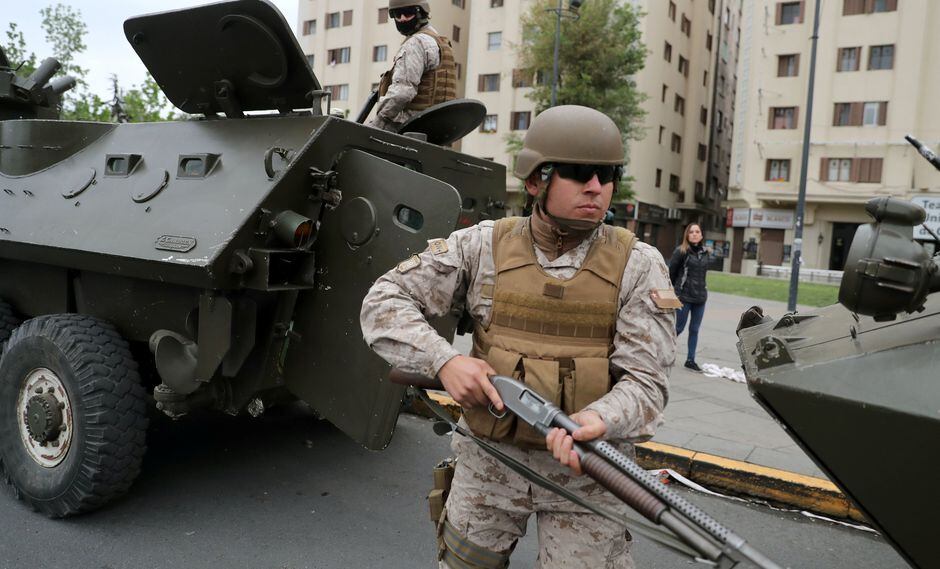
108	51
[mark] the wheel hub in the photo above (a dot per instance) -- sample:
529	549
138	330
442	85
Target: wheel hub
43	417
45	413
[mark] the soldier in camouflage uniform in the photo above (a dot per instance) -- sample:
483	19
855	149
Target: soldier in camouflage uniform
423	72
580	311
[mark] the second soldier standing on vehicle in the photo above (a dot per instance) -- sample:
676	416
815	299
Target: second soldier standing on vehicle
423	73
580	311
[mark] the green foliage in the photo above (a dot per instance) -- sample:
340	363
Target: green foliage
598	56
65	32
809	294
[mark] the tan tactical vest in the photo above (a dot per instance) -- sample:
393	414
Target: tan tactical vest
437	85
554	335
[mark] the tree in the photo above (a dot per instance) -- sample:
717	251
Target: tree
65	32
598	56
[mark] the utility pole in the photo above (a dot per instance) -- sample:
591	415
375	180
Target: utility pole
797	253
572	12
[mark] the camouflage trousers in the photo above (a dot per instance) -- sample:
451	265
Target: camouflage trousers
489	505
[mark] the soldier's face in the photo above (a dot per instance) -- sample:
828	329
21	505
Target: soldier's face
571	199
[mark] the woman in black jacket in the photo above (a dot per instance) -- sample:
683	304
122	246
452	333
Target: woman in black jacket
687	269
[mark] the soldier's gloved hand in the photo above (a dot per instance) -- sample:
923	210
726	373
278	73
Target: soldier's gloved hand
561	443
467	380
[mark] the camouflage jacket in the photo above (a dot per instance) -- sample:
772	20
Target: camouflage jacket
418	53
395	311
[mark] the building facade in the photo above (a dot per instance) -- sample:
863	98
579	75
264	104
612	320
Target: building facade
350	43
680	166
874	82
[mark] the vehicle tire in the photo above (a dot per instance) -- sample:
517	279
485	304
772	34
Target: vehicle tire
8	323
73	415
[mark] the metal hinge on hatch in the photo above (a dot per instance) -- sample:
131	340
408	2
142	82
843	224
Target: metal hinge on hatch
324	187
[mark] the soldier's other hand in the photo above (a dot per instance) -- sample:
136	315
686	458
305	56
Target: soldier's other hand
561	444
467	380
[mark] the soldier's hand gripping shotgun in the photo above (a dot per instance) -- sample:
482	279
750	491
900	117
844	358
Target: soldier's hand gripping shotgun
623	477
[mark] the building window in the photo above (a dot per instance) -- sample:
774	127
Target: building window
338	55
699	190
380	53
783	117
665	90
679	105
459	69
520	121
788	65
456	35
683	66
667	52
703	115
702	152
860	114
777	171
662	132
881	57
459	3
489	124
659	178
310	27
686	25
676	144
338	92
859	170
848	59
521	78
705	78
720	121
383	15
310	60
854	7
672	10
708	41
488	82
494	40
347	17
332	20
673	183
496	3
789	13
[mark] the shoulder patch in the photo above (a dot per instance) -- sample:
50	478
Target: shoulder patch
437	246
408	264
665	298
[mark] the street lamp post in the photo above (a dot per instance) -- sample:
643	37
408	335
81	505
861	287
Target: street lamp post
570	12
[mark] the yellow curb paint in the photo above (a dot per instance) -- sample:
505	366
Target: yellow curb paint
791	489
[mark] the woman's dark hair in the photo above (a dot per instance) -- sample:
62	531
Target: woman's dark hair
685	237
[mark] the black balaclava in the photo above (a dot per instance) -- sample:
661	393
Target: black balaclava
413	25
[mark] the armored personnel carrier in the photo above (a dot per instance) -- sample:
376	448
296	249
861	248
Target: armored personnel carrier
218	262
856	384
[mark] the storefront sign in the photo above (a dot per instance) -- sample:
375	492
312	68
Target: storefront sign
932	205
739	217
771	218
650	213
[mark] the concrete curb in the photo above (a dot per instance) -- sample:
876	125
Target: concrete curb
720	474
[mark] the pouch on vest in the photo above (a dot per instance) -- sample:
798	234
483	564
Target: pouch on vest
542	377
590	388
479	419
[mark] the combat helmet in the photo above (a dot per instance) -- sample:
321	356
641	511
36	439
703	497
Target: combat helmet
394	4
571	134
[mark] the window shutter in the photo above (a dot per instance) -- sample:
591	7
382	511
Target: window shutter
883	113
796	65
480	83
767	170
855	114
781	65
796	117
864	169
858	57
347	18
853	170
770	118
876	167
824	170
891	5
869	6
779	19
802	9
835	113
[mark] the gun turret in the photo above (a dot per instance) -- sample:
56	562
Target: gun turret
33	97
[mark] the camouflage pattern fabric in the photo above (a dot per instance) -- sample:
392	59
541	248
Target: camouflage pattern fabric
417	54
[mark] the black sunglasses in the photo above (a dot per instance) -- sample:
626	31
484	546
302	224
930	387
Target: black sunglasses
406	11
584	172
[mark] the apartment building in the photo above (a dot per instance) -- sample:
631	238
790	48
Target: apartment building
679	168
350	43
875	81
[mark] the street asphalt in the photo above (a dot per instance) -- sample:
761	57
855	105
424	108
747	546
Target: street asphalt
718	415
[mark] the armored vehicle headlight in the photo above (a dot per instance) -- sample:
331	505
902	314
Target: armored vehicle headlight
293	229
